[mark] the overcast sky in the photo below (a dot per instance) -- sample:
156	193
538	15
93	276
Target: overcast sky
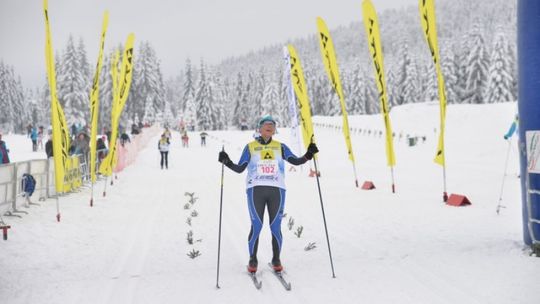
177	29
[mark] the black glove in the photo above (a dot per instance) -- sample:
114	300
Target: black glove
311	150
224	157
505	137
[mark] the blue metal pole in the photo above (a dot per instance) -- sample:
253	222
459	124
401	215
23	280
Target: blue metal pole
528	45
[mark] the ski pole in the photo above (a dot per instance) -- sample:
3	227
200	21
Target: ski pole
324	218
499	206
220	213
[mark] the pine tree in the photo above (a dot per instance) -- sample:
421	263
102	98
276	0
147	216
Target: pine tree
407	78
187	102
431	90
241	109
477	63
15	112
204	100
449	70
105	93
72	86
353	89
500	81
271	103
147	86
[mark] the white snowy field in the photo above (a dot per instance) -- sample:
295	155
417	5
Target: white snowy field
406	247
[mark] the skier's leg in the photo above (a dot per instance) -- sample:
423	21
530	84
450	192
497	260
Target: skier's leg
256	214
276	204
161	159
167	160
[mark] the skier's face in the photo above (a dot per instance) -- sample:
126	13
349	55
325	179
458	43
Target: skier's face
267	129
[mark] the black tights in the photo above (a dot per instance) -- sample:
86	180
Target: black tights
164	157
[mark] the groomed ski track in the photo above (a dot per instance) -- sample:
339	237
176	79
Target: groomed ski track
404	248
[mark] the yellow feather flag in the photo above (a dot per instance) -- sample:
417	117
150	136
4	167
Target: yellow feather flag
121	86
427	18
60	132
371	24
94	100
330	64
300	88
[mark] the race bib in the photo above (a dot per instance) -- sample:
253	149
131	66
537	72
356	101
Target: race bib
267	168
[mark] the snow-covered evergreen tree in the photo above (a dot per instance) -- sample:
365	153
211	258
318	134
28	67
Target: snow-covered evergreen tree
271	103
187	102
147	86
204	100
407	77
477	65
450	73
15	113
431	87
500	80
241	107
105	93
72	86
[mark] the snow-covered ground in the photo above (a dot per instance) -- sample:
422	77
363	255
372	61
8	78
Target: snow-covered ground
406	247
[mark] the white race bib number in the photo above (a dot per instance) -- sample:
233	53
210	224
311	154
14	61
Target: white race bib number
267	167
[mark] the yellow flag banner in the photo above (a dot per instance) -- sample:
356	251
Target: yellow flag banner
94	100
330	64
427	18
302	97
121	86
60	133
371	24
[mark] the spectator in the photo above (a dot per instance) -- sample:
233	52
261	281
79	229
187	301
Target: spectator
4	151
203	138
28	130
34	138
101	148
163	147
124	138
40	137
49	148
73	130
134	129
185	140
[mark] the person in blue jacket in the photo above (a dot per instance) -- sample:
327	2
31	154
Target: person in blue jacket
34	138
4	157
264	159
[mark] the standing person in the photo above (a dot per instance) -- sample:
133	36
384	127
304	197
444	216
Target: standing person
167	133
40	137
163	147
185	139
203	138
264	158
124	138
49	147
4	152
28	130
34	138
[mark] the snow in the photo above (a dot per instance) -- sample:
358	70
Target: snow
406	247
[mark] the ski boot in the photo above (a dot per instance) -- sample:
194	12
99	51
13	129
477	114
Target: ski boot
252	265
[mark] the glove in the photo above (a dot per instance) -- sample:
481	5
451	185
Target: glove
311	150
223	157
506	137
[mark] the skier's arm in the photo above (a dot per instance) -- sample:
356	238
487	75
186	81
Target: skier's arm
293	159
290	157
242	164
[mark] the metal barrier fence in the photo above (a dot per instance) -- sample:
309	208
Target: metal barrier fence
77	175
12	186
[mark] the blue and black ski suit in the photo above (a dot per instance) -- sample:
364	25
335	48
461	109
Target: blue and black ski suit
265	184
